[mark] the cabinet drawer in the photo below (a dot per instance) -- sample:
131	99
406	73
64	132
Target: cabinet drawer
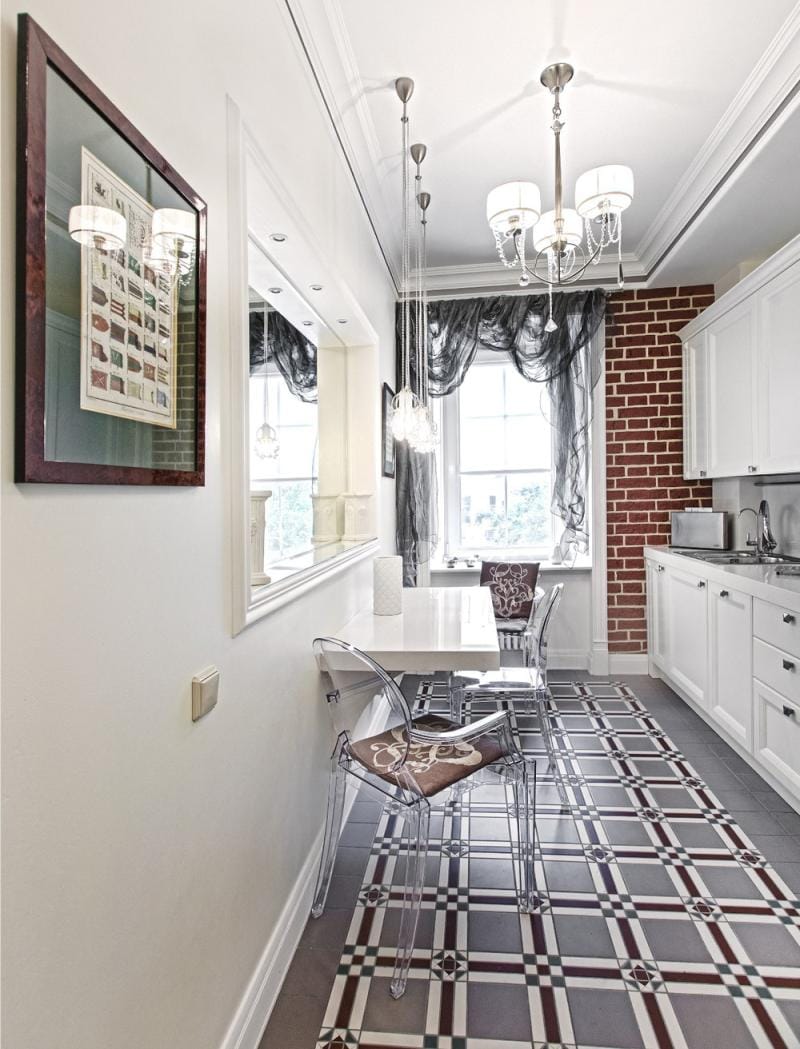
777	735
777	626
778	669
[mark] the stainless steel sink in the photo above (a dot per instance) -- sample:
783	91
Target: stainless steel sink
738	557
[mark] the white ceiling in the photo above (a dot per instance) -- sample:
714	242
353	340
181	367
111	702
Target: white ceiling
677	91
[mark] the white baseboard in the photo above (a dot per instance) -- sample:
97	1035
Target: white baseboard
568	659
598	660
254	1010
621	663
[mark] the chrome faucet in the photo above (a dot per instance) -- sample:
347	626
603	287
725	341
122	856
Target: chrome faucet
764	541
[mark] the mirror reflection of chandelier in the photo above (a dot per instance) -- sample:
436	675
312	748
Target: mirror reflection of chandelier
564	241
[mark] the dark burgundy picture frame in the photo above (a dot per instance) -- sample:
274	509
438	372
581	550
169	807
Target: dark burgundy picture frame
36	50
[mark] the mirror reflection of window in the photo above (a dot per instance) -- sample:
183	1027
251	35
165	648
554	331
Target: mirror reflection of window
283	438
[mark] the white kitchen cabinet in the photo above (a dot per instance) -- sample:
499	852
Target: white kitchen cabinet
686	617
779	374
741	380
776	741
657	594
730	626
730	403
695	406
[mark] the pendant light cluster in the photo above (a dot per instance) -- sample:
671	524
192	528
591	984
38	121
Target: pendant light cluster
565	241
412	417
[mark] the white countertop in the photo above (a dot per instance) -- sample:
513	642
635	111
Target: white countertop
440	628
757	580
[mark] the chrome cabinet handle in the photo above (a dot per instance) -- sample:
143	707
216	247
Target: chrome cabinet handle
787	617
700	584
752	469
724	593
702	473
659	568
788	664
789	712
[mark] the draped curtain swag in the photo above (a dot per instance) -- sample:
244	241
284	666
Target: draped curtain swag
567	361
294	355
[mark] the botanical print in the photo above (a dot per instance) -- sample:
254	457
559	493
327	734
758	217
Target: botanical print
129	313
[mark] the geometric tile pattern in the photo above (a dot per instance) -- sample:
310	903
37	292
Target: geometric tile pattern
660	924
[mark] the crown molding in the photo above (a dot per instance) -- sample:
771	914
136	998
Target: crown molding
771	90
458	282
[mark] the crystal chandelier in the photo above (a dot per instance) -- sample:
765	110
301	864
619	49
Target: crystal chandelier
412	417
560	254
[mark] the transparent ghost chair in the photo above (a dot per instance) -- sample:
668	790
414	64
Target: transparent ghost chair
410	761
527	684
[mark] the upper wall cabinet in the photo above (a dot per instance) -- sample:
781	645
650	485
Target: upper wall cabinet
741	379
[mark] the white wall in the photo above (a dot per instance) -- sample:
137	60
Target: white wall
146	859
732	493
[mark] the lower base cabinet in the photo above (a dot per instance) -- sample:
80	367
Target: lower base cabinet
730	653
777	735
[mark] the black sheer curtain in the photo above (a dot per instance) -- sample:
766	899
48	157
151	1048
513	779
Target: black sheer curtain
567	360
294	355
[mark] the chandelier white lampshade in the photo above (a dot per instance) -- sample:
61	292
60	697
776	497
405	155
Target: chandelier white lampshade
96	227
267	445
544	232
174	224
514	205
404	419
604	190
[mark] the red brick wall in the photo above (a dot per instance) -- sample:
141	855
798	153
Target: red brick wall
644	443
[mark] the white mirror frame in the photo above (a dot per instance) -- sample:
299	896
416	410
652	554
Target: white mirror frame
362	340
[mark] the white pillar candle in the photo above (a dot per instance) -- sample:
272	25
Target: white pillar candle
387	579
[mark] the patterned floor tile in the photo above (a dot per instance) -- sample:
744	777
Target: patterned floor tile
661	924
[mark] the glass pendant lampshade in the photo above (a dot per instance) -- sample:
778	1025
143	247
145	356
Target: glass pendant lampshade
604	190
404	419
544	232
267	445
514	205
99	228
161	257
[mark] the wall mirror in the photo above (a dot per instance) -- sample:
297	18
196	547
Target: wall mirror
111	289
306	400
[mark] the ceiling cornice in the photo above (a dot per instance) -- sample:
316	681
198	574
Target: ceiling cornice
770	93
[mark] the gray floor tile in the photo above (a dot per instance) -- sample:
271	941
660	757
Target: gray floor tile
759	823
384	1013
790	872
738	800
711	1022
626	832
674	941
350	861
610	797
767	943
491	874
311	972
365	812
583	936
496	1011
488	828
329	930
728	883
603	1018
360	835
772	801
777	847
790	821
343	892
568	876
791	1010
390	929
494	932
559	829
642	879
294	1023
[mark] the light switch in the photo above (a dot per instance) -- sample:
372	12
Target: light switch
205	689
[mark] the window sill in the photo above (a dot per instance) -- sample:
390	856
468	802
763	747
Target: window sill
581	565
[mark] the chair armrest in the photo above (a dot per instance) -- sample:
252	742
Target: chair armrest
499	719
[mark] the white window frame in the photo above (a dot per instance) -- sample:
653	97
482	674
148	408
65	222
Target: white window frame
450	500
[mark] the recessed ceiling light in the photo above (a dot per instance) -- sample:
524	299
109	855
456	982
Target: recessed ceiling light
307	324
279	238
316	287
274	291
342	320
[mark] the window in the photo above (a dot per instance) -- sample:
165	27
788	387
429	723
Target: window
498	456
291	474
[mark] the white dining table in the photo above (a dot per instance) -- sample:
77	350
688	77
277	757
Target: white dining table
440	628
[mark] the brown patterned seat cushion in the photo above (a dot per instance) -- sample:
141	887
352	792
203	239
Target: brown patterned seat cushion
434	766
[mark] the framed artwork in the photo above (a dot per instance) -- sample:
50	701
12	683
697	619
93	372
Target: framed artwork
387	439
111	275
